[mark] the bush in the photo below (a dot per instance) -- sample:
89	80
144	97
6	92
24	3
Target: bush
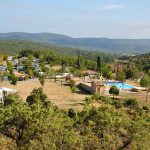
132	103
88	100
13	79
12	99
72	83
73	89
71	113
145	108
37	95
76	72
105	99
95	96
117	104
130	73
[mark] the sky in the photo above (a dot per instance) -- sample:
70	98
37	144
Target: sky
77	18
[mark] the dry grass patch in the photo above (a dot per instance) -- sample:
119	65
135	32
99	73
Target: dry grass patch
57	94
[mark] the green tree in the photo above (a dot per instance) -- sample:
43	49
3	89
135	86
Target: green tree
112	129
10	67
130	73
37	127
30	57
28	67
121	76
145	82
15	122
99	63
13	79
72	83
12	99
107	72
114	91
5	57
37	95
42	79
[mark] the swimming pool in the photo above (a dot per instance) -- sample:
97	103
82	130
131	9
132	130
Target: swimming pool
120	85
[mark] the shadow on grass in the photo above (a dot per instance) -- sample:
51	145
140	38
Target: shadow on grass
83	91
73	100
66	84
76	100
77	104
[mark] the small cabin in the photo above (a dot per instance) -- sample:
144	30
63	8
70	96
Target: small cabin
94	87
98	87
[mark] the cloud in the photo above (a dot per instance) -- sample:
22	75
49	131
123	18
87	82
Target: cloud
112	7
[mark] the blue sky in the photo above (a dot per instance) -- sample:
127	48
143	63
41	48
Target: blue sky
77	18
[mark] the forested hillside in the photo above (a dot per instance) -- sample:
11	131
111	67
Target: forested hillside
12	47
142	61
15	46
99	44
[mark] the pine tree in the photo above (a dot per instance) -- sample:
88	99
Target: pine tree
99	63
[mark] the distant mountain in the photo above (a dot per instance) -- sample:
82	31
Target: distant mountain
98	44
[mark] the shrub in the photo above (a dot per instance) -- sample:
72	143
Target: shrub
72	83
71	113
132	103
37	95
117	104
88	100
145	108
96	96
105	99
11	99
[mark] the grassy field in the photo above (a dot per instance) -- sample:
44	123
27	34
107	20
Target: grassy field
58	94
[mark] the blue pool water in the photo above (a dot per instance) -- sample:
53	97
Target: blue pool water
120	85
